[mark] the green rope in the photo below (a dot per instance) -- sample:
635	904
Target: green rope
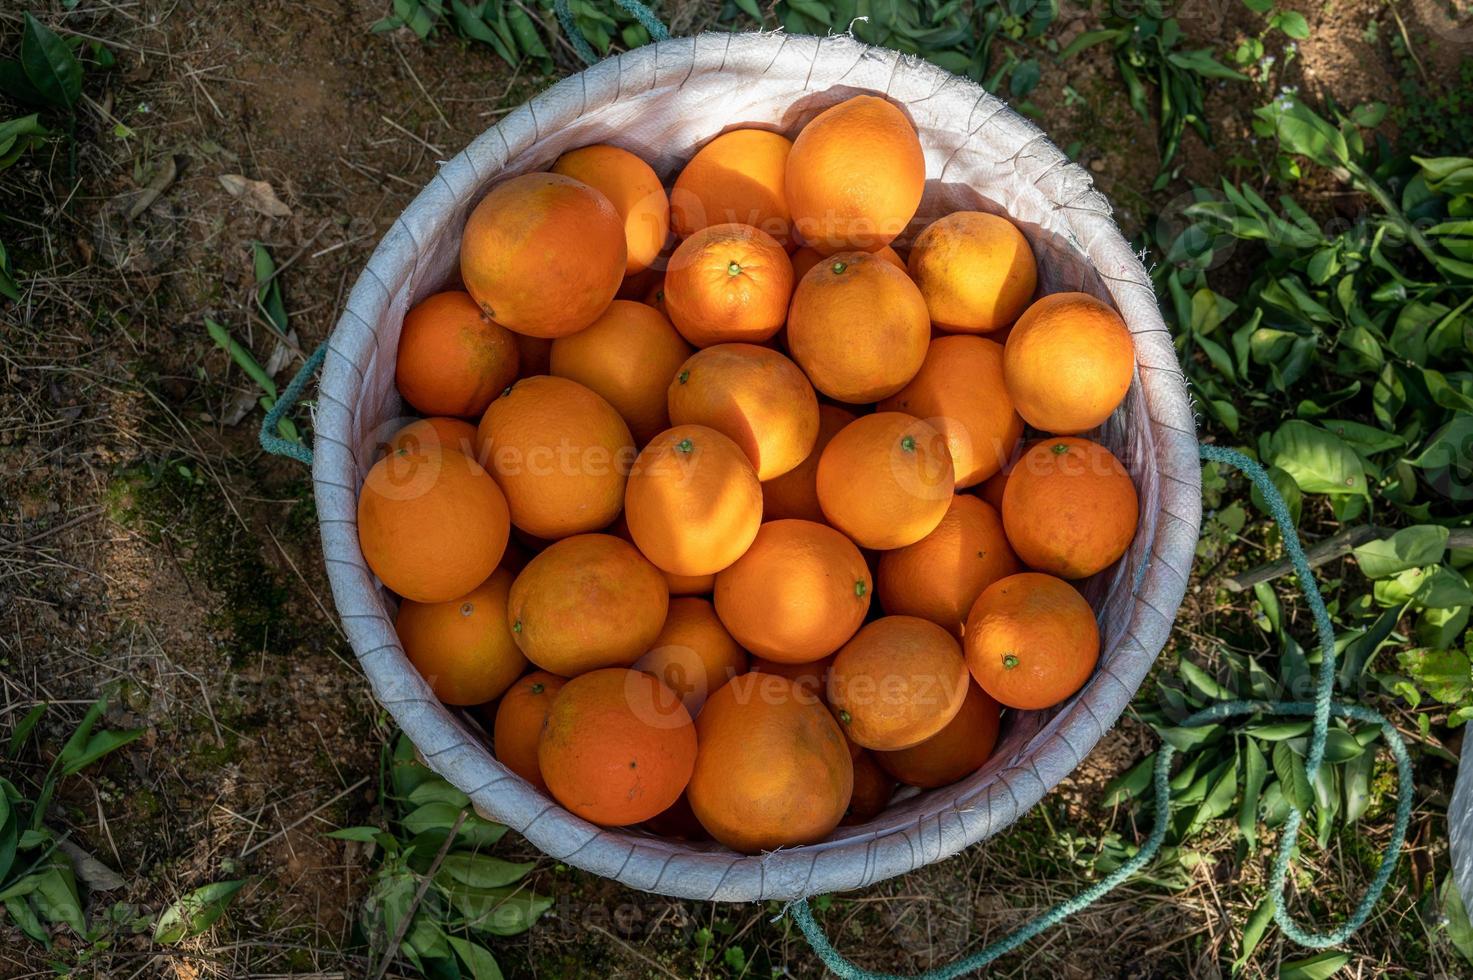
270	441
1322	708
634	8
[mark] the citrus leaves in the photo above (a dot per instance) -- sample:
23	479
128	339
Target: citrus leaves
436	900
47	73
1317	460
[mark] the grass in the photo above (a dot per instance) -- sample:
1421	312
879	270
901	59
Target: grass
136	551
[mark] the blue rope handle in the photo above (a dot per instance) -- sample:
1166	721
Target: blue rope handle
270	441
641	13
1323	707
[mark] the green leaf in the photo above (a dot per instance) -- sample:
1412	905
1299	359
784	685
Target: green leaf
1410	547
1317	460
477	959
8	287
21	913
1255	774
268	289
1293	779
1357	785
1254	928
1291	23
1089	39
1459	930
498	911
1300	131
195	912
481	871
1203	682
55	897
437	790
1131	783
1321	966
84	748
22	732
1444	674
1219	798
49	65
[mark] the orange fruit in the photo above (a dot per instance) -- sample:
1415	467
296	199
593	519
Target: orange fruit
855	176
975	269
795	493
772	768
463	648
858	327
447	433
694	654
1070	508
754	396
797	594
940	576
432	524
957	750
543	254
452	358
806	258
678	821
735	178
679	584
1068	363
693	502
959	389
885	480
897	683
656	297
726	283
561	454
518	724
534	354
617	748
586	602
628	356
873	788
1032	641
635	192
812	676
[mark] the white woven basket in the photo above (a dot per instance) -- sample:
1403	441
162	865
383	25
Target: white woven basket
663	102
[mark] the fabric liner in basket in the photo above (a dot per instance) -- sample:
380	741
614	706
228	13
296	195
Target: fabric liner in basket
663	102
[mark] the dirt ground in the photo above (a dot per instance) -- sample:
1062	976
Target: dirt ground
151	551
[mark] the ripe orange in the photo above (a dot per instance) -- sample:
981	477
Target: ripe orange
797	594
543	254
586	602
858	327
453	359
1068	363
518	725
656	297
959	389
1032	641
635	192
975	269
694	654
618	747
885	480
1070	508
463	648
957	750
432	524
727	283
754	396
421	435
735	178
679	584
560	452
795	493
693	503
940	576
897	683
855	176
806	258
628	356
812	676
772	769
873	788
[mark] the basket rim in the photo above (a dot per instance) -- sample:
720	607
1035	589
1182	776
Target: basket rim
670	867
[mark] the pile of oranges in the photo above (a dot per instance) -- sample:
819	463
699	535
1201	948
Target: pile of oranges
731	519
